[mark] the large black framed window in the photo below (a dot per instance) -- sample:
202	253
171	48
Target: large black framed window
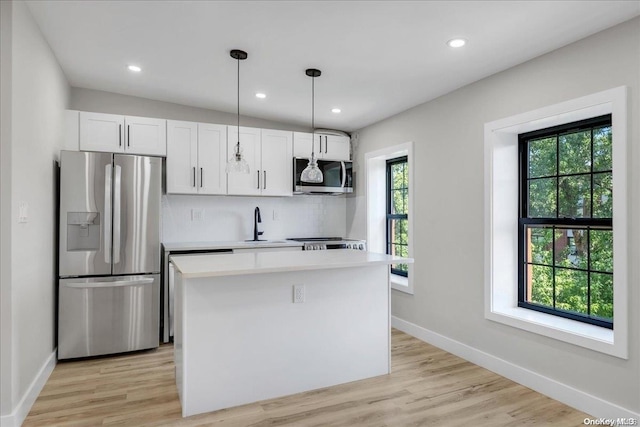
565	222
398	212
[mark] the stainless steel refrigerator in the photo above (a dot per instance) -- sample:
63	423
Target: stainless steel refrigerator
109	236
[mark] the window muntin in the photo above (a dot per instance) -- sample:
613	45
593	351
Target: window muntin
397	212
565	224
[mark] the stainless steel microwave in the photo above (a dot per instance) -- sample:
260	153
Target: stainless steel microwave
337	177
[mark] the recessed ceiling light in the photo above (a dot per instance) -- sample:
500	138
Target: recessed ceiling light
261	95
134	68
456	42
336	110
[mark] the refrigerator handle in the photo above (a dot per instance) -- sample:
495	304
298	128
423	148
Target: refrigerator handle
117	190
114	284
107	213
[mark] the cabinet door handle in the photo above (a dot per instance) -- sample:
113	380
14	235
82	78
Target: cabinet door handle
194	176
200	177
326	144
264	184
258	179
320	138
119	135
128	137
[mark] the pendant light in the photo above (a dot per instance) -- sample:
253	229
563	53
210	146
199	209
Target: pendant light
237	162
312	173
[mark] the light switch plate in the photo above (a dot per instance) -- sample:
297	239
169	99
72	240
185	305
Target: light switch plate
23	212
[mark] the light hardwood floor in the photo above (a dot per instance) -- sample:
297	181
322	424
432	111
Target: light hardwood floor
427	387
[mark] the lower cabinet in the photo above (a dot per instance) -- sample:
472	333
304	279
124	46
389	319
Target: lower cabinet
196	157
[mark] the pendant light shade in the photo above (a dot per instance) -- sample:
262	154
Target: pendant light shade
237	162
312	172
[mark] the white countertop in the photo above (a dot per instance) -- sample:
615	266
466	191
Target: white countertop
197	246
214	265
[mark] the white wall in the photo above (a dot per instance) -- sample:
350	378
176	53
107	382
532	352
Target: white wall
449	222
39	96
6	379
115	103
231	218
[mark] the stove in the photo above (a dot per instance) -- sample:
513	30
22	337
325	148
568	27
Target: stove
324	243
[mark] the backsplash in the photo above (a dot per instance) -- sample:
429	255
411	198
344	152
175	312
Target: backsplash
225	218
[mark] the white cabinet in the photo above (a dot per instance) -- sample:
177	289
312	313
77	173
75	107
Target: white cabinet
330	147
212	158
240	183
123	134
196	155
277	163
145	136
101	132
335	147
269	154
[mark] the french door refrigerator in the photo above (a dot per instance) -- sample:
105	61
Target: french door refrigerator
109	284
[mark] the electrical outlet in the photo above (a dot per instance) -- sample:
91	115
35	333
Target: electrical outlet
298	293
197	214
276	215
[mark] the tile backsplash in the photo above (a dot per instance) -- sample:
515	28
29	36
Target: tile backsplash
224	218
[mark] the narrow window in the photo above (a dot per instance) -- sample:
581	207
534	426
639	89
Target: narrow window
397	212
565	222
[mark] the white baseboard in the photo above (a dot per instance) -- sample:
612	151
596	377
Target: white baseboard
594	406
20	412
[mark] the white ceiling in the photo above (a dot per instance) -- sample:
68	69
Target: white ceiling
377	58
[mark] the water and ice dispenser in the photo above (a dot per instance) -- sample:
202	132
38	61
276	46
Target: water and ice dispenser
83	231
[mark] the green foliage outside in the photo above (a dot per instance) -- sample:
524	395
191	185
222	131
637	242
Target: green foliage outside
560	180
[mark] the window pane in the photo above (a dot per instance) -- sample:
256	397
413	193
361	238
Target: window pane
602	295
571	247
574	197
540	285
542	198
602	250
399	268
540	245
602	148
398	176
575	152
571	290
399	231
602	195
542	157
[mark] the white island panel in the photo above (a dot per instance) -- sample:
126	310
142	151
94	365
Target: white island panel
240	338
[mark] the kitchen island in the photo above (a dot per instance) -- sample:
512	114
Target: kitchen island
254	326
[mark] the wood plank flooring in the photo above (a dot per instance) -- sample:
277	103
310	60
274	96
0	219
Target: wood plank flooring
427	387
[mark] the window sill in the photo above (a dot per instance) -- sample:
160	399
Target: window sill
400	283
567	330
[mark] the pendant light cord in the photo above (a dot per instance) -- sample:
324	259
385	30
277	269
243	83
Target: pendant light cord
313	114
238	144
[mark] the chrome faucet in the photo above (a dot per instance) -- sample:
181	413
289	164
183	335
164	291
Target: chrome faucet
256	220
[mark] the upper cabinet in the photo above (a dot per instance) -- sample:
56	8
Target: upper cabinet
123	134
196	156
277	163
330	147
269	154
